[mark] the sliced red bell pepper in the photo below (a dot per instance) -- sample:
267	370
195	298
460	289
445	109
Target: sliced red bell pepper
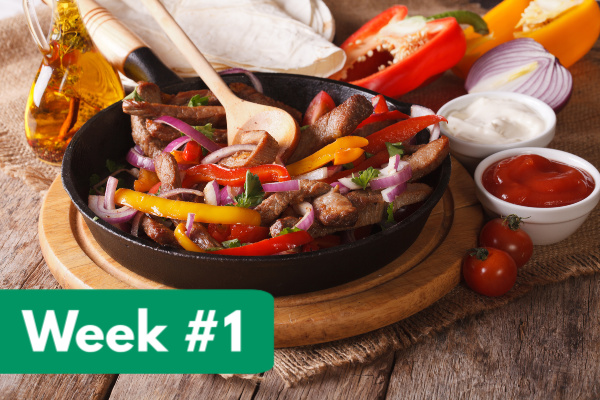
379	104
376	161
270	246
248	233
433	46
383	116
400	132
319	106
220	232
233	176
192	152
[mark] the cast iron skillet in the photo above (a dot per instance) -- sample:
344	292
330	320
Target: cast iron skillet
108	136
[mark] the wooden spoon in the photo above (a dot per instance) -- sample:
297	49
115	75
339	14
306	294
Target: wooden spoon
241	115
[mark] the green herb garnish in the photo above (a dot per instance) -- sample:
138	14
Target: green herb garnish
133	96
390	213
395	148
198	100
229	244
113	166
348	166
285	231
303	128
95	218
365	177
253	192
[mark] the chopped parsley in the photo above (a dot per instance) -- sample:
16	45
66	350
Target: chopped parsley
133	96
253	192
348	166
390	213
395	148
285	231
198	100
113	166
95	218
303	128
365	177
229	244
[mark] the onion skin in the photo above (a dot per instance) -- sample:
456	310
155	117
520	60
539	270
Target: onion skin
549	81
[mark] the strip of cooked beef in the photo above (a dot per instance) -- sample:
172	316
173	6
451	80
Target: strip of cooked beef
202	238
150	146
265	152
335	210
248	93
370	206
428	157
275	204
149	92
414	193
220	136
167	171
281	224
341	121
158	232
200	115
161	131
183	98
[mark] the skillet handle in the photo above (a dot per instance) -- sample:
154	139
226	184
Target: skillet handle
123	48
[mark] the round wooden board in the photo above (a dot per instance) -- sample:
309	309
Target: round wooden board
428	270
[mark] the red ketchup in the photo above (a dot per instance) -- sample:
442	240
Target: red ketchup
534	181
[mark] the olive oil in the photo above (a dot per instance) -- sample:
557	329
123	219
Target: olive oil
73	83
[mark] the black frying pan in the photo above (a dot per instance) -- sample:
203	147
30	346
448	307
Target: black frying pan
108	136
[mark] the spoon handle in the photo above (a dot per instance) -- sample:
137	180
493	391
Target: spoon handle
181	40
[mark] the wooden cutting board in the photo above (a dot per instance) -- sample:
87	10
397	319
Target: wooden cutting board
428	270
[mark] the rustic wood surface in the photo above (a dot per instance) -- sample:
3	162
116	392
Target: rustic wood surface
545	345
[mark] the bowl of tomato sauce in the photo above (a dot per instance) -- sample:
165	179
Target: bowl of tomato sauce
553	190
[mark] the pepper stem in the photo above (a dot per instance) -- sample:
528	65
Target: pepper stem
465	17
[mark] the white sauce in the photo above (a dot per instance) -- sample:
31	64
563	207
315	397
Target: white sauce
495	121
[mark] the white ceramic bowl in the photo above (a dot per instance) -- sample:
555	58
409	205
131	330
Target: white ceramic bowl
544	225
470	153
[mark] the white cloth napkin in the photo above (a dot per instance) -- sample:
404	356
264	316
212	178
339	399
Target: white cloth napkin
292	36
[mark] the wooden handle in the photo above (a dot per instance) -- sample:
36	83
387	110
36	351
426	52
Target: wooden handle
185	45
114	40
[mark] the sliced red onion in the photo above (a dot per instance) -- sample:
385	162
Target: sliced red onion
211	193
133	172
228	194
401	176
419	111
175	144
189	131
308	212
392	192
499	70
109	194
215	156
137	148
116	216
135	223
349	184
189	224
175	192
334	169
286	186
255	82
342	188
315	175
140	161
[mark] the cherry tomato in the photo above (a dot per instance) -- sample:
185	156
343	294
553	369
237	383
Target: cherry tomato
489	271
248	233
505	234
319	106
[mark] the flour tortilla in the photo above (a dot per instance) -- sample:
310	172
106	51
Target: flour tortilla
258	35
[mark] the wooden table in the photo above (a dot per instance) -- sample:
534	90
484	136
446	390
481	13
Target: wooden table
544	345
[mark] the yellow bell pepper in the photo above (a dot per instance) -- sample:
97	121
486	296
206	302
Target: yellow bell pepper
185	241
177	209
568	37
345	156
325	155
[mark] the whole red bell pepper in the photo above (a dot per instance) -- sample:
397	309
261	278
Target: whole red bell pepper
392	54
234	176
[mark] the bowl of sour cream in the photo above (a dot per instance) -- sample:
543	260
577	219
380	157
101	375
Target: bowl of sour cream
481	124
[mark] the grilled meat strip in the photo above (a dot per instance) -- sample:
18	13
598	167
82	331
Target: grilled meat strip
149	92
340	121
275	204
151	146
200	115
183	98
335	210
158	232
429	157
266	150
202	238
167	171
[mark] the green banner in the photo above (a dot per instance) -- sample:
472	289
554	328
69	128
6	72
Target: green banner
136	331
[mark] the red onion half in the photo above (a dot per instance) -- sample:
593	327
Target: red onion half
522	66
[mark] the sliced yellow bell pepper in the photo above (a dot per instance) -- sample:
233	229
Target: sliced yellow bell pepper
185	241
146	180
345	156
568	37
177	209
325	155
